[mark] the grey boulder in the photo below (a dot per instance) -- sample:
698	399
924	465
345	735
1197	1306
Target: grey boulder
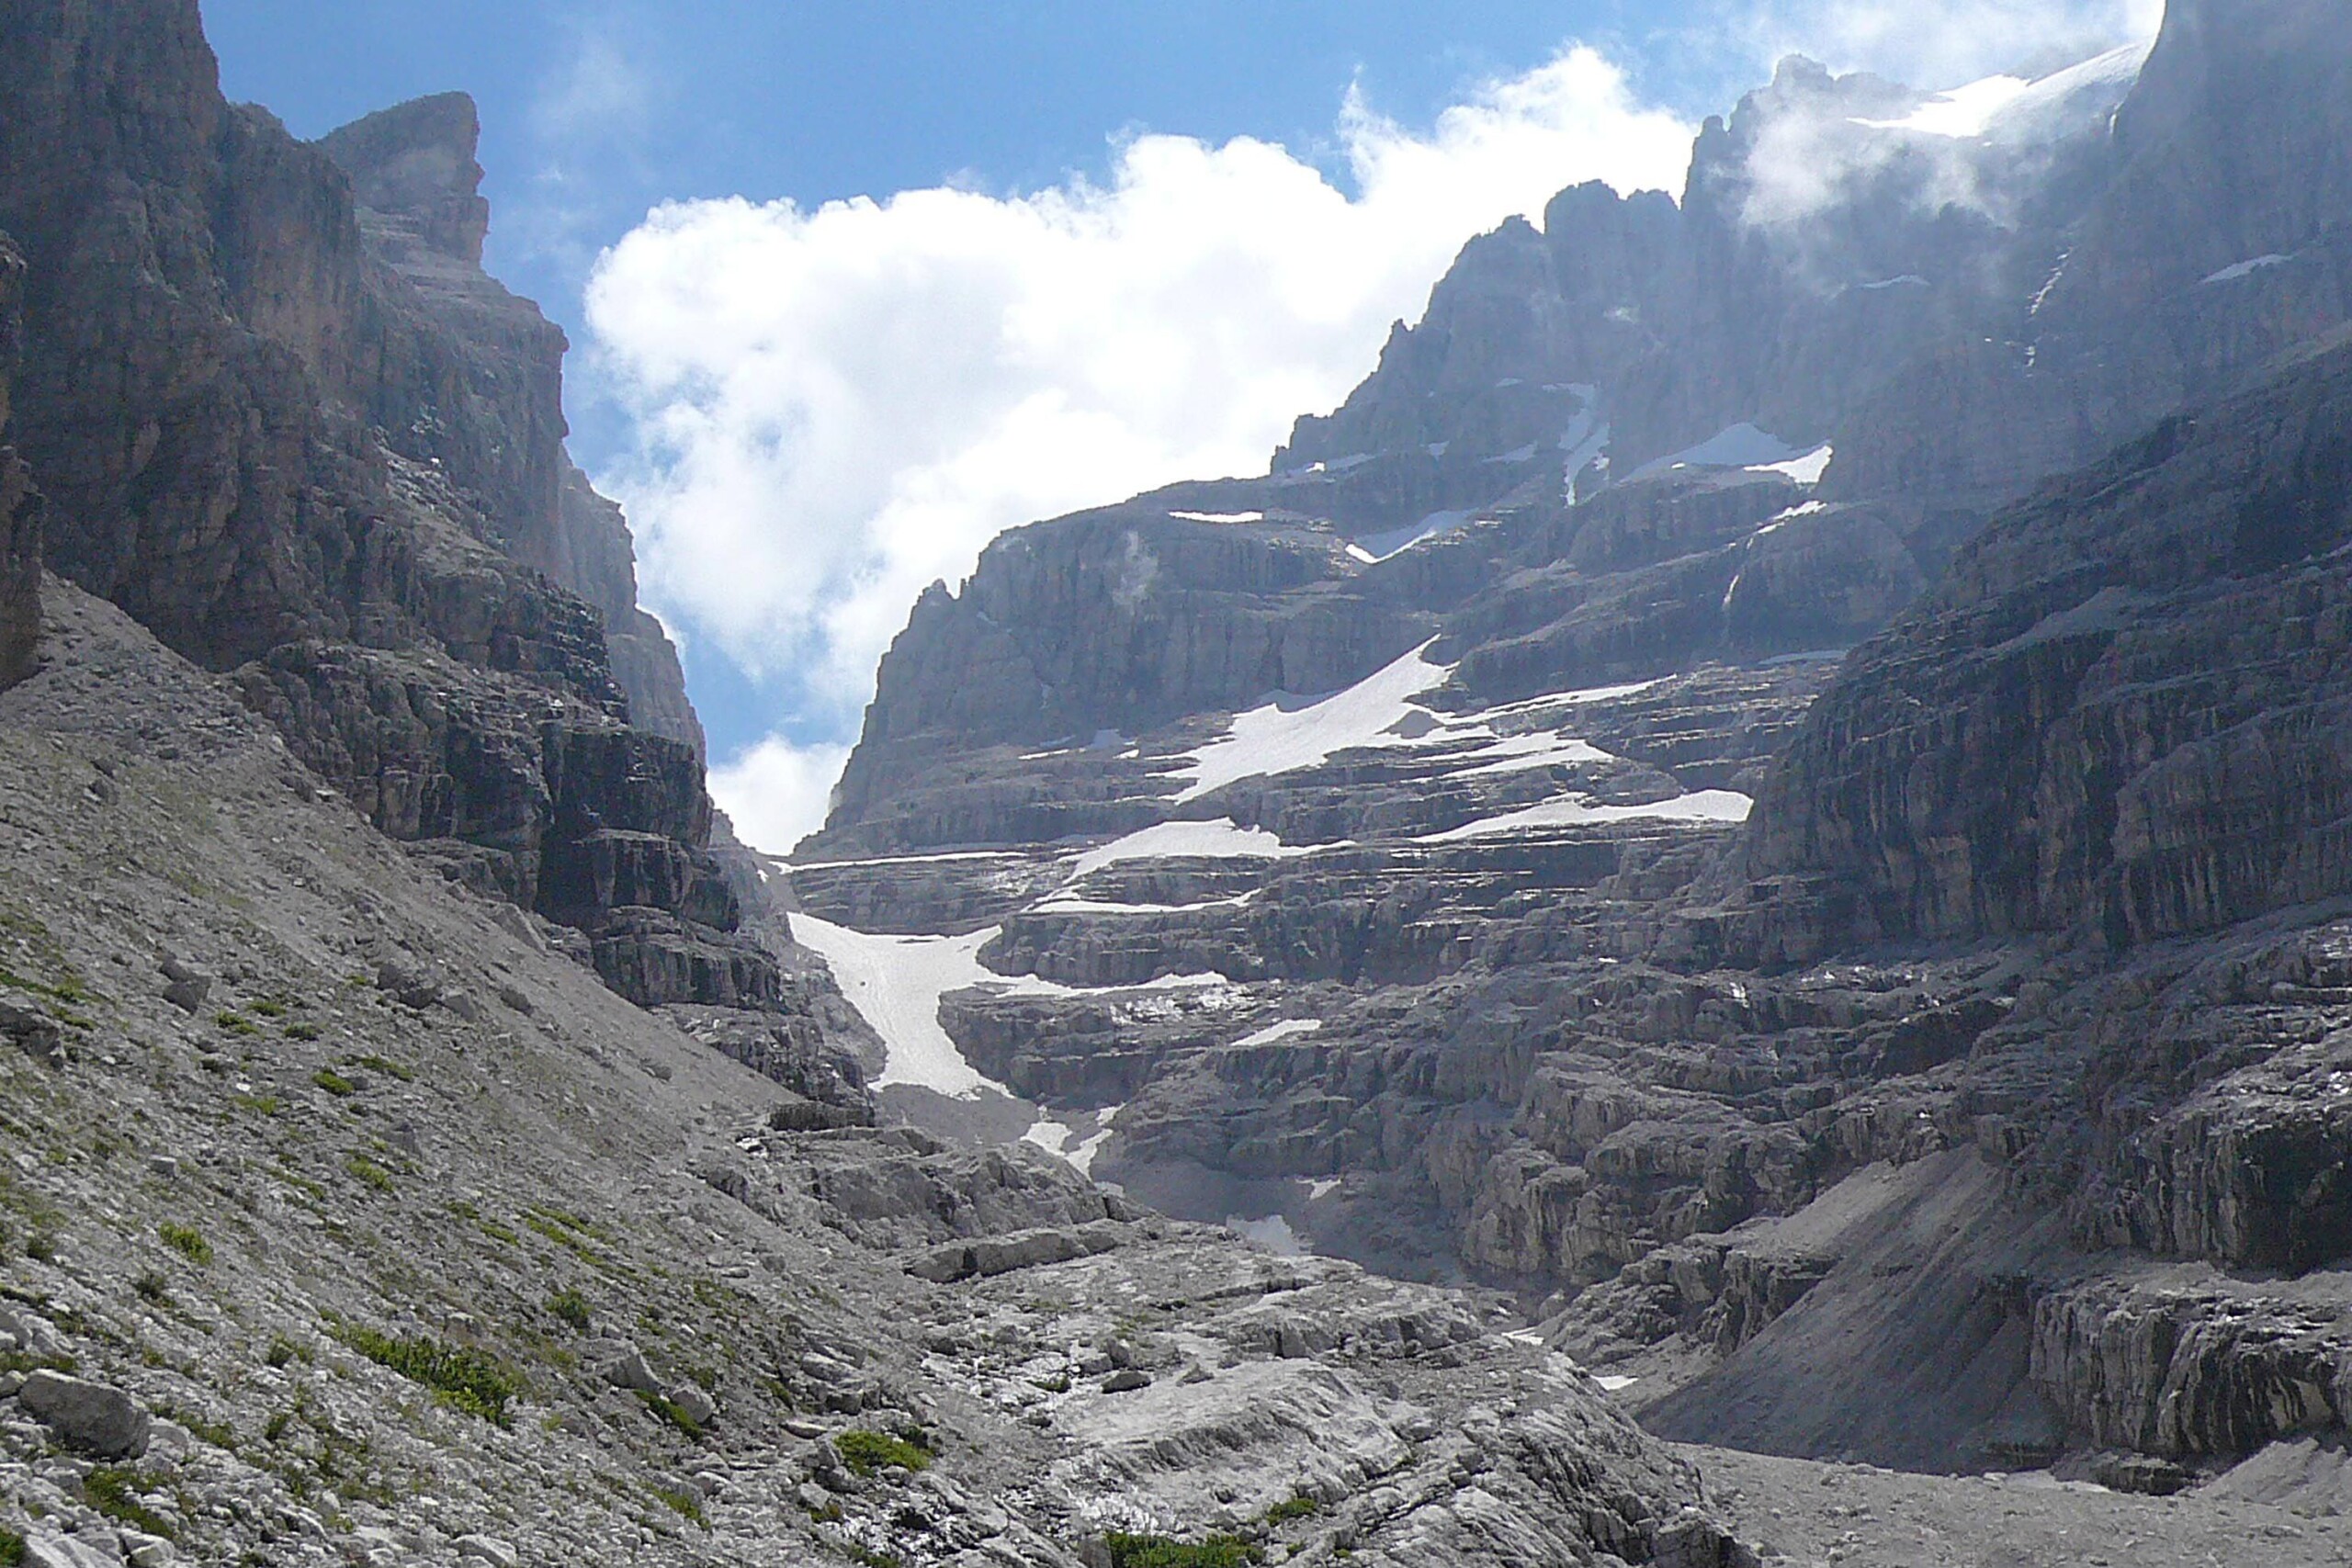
91	1417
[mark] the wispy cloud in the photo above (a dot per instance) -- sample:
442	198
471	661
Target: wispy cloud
841	406
1929	44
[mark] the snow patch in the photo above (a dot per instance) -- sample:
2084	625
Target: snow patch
1274	1233
1277	739
1811	508
1611	1382
895	982
1741	446
1519	753
2248	269
1806	469
1054	1137
1221	839
1704	806
1218	516
1063	905
1282	1030
1397	541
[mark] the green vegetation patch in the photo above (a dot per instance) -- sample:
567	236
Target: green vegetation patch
386	1066
686	1504
367	1173
670	1410
235	1022
334	1083
115	1493
1160	1552
11	1549
869	1452
189	1242
1299	1508
473	1381
569	1307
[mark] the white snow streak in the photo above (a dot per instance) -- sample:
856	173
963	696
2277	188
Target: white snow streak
1217	839
1705	806
2248	269
1277	739
1282	1031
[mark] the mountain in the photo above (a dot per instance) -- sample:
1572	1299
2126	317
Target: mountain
421	1139
1770	782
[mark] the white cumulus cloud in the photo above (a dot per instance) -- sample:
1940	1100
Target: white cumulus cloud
837	407
776	793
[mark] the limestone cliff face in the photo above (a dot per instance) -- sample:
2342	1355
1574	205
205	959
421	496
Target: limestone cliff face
2123	707
285	418
19	503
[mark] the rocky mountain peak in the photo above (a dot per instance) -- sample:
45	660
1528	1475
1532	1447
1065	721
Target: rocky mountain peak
415	164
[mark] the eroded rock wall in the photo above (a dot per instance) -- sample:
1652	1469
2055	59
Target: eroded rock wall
285	420
20	505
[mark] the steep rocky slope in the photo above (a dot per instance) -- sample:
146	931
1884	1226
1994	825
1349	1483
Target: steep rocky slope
1366	853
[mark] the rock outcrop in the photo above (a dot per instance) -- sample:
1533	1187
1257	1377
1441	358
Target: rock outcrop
2121	708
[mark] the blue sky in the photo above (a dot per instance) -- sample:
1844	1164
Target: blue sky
1107	245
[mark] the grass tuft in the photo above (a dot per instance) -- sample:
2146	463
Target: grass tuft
334	1083
473	1381
569	1307
367	1173
867	1452
189	1242
115	1493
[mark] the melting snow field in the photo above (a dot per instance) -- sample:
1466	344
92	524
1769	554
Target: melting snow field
1054	1137
1218	516
1704	806
895	982
1279	740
